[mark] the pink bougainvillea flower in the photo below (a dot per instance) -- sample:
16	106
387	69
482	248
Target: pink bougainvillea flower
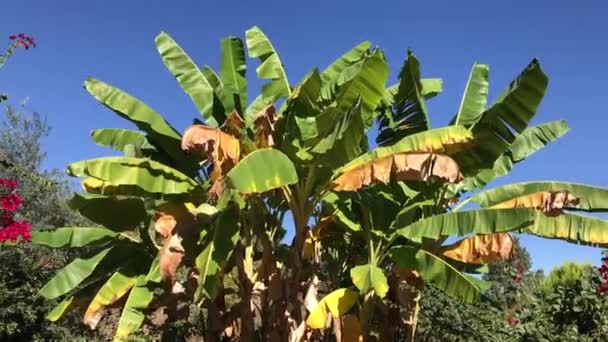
14	231
8	183
10	202
22	40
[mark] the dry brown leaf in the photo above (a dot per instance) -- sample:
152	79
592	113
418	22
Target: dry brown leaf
164	225
264	127
234	125
549	202
481	249
310	299
218	147
351	329
170	257
315	235
402	166
172	217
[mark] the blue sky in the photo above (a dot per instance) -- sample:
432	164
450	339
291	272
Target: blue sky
114	41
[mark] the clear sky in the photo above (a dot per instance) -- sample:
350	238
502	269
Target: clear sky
114	41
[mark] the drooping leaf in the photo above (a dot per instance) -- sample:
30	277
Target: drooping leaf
141	174
127	212
263	126
436	271
431	87
232	74
115	287
170	257
402	167
132	317
158	131
59	310
446	140
590	198
573	228
217	251
214	145
461	223
271	68
278	171
368	277
481	249
529	141
72	275
475	96
409	113
189	77
72	236
338	303
498	126
118	138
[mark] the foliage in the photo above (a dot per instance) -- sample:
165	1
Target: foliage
369	225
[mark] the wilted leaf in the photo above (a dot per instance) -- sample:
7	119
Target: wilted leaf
403	167
116	287
337	303
234	125
170	257
218	147
315	235
549	202
481	249
264	127
351	329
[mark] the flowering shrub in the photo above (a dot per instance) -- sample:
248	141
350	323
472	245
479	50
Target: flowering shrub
603	287
17	41
10	229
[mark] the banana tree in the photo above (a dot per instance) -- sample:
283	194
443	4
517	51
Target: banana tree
399	203
199	216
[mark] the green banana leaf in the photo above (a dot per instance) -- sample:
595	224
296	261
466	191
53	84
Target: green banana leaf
141	174
232	73
461	223
60	309
218	91
527	143
436	271
72	275
431	87
127	212
445	140
118	138
132	318
591	198
369	276
226	233
573	228
337	73
409	114
367	81
475	96
189	77
158	131
72	236
498	126
261	171
349	58
271	68
110	292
